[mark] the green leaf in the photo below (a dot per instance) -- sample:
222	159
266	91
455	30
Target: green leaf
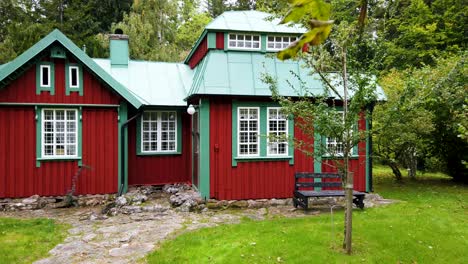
313	37
317	9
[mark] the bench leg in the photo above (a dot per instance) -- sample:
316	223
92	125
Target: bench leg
359	202
295	202
301	201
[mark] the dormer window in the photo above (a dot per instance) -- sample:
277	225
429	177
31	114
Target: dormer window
275	43
45	75
244	41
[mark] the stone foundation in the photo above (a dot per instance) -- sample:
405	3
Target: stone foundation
179	196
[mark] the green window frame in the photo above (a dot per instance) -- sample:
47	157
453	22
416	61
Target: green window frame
156	121
73	78
263	143
41	133
41	76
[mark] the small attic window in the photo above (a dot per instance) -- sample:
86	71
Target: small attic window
244	41
275	43
45	75
74	80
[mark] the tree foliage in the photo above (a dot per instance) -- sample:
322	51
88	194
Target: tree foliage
24	22
424	119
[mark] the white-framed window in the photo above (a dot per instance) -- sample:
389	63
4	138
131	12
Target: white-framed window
74	79
334	145
159	131
277	129
244	41
248	131
59	133
279	42
44	73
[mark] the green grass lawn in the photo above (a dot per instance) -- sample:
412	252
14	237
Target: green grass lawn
429	225
24	241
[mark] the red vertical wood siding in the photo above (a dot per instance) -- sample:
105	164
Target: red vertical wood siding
23	89
19	176
257	180
199	53
162	169
220	40
249	180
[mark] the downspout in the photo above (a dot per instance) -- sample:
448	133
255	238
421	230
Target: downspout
122	156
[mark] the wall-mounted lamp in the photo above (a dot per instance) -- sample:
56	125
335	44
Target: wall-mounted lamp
191	109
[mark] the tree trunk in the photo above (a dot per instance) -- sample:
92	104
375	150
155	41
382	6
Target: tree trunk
348	176
347	245
396	171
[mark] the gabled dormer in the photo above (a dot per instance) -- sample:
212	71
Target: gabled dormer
247	31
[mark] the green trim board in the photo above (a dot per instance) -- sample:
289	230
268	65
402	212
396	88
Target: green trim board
263	42
204	160
68	88
51	87
80	55
123	150
38	117
178	150
211	40
263	145
58	53
317	158
368	168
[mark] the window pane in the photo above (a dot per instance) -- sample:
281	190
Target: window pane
49	150
59	115
60	150
71	150
48	127
74	76
71	115
48	115
60	126
45	76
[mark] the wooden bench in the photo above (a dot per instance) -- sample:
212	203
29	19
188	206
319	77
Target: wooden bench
302	189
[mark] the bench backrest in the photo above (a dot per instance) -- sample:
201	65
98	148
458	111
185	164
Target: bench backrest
309	175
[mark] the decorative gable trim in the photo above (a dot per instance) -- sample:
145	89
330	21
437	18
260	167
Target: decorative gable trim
56	36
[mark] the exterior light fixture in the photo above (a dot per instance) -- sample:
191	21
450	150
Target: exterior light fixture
191	109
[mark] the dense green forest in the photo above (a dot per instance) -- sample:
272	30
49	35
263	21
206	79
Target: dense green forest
416	48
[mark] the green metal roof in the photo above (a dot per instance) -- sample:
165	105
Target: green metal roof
57	36
239	73
251	21
159	83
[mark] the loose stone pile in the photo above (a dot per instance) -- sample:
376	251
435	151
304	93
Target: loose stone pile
36	202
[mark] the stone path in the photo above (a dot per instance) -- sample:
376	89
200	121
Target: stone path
125	238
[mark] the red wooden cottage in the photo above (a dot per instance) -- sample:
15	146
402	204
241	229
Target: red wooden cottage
131	122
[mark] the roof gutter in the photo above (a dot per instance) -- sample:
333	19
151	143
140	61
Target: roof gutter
122	156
